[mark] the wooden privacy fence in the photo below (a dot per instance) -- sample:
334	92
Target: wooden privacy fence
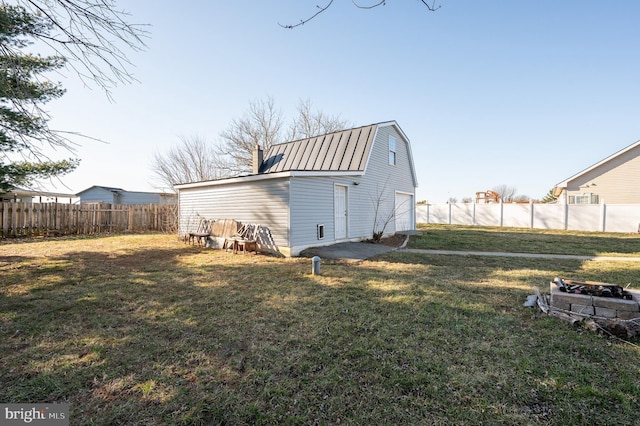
33	219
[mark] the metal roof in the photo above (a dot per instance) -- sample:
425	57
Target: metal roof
344	151
22	192
106	188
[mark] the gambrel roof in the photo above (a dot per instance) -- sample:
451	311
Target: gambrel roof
344	151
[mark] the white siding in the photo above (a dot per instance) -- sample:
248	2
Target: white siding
312	205
312	197
381	182
293	206
265	203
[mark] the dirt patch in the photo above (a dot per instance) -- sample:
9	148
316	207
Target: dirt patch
394	241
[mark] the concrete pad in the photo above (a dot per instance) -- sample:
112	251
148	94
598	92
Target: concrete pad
353	251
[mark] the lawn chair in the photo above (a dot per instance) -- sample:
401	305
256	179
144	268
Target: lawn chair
246	240
201	234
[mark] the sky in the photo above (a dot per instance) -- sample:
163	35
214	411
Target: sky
489	93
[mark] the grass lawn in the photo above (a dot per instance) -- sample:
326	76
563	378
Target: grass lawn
473	238
142	329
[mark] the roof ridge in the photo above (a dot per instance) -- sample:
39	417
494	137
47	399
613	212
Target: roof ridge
332	133
288	156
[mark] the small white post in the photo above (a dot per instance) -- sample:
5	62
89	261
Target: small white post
315	265
531	214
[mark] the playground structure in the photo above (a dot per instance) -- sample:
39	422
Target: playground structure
487	197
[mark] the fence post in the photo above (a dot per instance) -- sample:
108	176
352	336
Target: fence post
501	213
474	215
566	216
603	216
531	214
449	212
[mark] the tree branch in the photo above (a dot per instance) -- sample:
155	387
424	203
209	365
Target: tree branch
93	35
380	3
304	21
431	7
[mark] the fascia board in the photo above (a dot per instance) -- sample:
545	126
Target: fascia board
565	183
266	176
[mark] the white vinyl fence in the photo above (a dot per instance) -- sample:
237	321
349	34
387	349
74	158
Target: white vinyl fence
577	217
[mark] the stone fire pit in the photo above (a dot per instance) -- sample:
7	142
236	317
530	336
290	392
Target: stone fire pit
595	306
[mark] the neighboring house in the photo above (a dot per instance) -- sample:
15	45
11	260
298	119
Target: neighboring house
109	195
342	186
614	180
21	195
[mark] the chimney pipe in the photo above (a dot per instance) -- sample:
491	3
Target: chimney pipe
257	159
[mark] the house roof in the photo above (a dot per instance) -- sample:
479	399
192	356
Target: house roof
106	188
339	153
21	192
344	151
560	186
119	190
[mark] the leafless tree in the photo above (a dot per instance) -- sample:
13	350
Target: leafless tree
92	35
382	217
263	124
311	123
192	160
195	159
320	9
521	198
506	192
385	210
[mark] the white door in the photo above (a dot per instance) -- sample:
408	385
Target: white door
404	212
340	211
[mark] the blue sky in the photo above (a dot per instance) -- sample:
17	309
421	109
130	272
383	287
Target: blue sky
524	94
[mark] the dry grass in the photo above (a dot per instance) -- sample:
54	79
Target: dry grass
142	329
474	238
